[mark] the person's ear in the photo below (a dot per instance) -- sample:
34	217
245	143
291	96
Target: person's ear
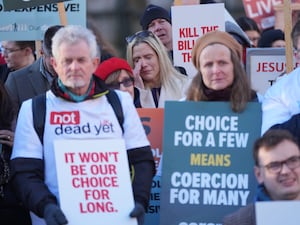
258	174
53	62
28	51
96	62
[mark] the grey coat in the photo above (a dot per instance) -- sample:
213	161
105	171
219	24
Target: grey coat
26	83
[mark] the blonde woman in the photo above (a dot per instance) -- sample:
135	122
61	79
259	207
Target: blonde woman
155	76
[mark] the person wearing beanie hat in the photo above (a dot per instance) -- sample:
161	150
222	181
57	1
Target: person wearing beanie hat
215	37
273	38
221	77
158	20
117	74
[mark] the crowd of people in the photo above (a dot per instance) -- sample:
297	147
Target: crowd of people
78	70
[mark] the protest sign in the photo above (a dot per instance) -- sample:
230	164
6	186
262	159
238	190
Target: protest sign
207	162
94	181
21	4
269	13
31	23
261	11
265	66
288	212
152	120
189	22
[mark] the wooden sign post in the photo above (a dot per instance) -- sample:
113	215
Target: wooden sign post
62	13
287	35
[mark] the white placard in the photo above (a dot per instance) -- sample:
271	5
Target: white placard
277	213
94	181
189	22
264	66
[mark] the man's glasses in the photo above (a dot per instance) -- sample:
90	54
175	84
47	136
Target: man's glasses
127	82
275	167
141	34
10	50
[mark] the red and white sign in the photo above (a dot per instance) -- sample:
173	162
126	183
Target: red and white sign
94	181
189	22
264	66
262	11
72	117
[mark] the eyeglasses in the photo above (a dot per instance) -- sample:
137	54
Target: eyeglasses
141	34
292	163
10	50
127	82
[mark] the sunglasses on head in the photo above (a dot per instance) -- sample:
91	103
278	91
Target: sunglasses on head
141	34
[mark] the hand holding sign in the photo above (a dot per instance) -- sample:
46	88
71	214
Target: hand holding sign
93	182
54	216
138	212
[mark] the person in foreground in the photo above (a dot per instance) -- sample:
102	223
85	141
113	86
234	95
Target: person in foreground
277	169
12	212
75	58
221	76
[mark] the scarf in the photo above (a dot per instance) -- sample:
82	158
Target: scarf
220	95
96	89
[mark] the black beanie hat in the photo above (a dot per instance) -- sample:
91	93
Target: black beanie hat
153	12
269	36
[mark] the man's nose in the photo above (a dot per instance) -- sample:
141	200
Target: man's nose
285	168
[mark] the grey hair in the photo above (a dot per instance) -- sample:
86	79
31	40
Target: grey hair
72	34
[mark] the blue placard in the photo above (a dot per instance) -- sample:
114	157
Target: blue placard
21	4
207	163
31	23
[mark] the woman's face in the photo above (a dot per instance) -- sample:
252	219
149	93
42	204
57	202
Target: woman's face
142	53
123	82
126	83
254	36
216	67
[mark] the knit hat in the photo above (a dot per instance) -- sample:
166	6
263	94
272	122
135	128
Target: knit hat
269	36
111	65
220	37
153	12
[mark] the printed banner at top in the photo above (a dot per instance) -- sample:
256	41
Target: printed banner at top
30	23
22	4
262	11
